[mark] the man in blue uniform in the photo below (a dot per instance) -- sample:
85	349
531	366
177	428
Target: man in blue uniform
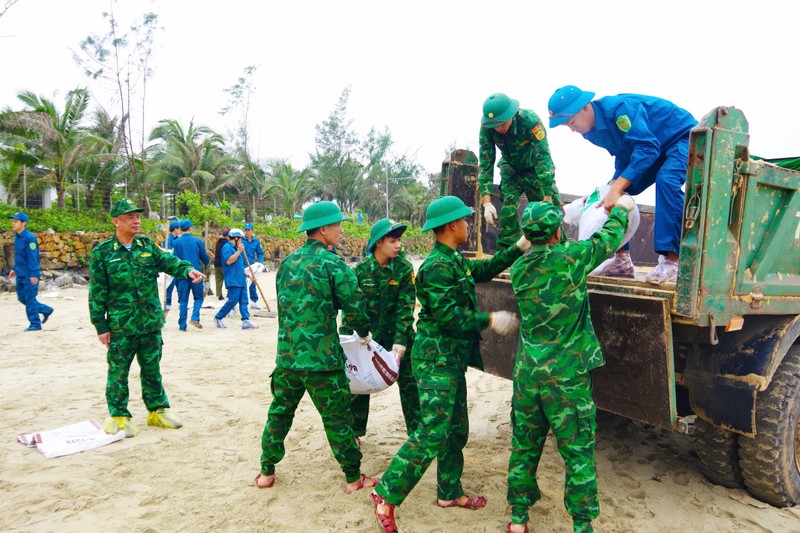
191	249
26	272
649	139
255	254
174	233
233	266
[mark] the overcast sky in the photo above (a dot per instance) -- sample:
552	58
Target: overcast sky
422	69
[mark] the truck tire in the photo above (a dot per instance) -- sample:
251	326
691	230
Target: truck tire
718	454
771	460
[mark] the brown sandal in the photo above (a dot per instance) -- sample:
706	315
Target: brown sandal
265	486
474	503
386	521
362	483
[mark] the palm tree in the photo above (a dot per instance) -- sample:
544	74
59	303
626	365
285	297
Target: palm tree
57	140
251	185
101	167
292	187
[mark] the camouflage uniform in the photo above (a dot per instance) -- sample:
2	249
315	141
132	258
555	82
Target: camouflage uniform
123	300
448	336
525	166
390	298
552	385
312	284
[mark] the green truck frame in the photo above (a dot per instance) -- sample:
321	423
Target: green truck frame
716	354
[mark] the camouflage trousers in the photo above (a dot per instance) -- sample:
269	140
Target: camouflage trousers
409	401
511	189
442	434
121	351
568	409
330	393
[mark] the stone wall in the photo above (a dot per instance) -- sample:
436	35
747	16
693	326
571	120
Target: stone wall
59	251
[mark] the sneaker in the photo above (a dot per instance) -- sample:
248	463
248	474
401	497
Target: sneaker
665	272
115	424
246	324
255	305
219	323
233	313
221	297
46	316
196	323
167	307
618	266
164	419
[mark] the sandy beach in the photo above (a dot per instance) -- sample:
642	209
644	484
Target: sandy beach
200	477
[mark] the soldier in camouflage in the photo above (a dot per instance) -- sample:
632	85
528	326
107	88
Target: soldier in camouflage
387	281
312	285
126	312
557	350
525	163
447	341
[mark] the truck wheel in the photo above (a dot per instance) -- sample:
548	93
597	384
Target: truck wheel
718	453
771	460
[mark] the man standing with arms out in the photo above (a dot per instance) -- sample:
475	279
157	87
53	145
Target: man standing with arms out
219	276
233	267
255	254
525	164
387	281
174	234
447	341
190	248
27	273
312	284
649	139
557	349
126	312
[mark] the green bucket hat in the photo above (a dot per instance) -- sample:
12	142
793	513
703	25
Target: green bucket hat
123	207
498	109
320	214
540	220
381	229
443	210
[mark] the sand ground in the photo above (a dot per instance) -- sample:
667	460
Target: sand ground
200	478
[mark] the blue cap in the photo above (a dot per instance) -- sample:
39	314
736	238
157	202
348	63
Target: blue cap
19	215
565	102
248	226
186	224
174	225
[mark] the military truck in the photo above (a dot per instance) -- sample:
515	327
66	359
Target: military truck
716	354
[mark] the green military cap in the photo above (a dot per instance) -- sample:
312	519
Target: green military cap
320	214
381	229
123	207
443	210
540	220
498	109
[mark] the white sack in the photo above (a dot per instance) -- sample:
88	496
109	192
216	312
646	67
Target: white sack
70	439
370	368
589	218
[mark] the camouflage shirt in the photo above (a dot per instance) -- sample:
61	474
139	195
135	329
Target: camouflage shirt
312	285
390	299
123	287
557	340
524	150
449	324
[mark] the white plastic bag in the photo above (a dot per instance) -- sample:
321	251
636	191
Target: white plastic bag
70	439
589	218
370	368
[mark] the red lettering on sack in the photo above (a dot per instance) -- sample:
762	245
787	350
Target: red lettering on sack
351	367
388	375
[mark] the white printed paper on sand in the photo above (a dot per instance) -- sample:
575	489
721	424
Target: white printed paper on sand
70	439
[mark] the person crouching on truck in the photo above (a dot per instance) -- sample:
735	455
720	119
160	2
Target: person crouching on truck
649	139
552	387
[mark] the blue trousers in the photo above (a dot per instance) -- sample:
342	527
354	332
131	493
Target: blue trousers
253	292
186	286
26	294
170	287
235	295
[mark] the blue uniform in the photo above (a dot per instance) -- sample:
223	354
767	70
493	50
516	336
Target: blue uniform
191	249
235	282
649	139
171	238
26	266
255	254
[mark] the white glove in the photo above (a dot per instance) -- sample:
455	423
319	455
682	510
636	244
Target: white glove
399	349
523	244
503	322
626	201
365	340
490	213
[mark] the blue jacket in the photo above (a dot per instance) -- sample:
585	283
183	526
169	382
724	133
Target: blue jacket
254	251
637	130
234	274
191	248
171	241
26	255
